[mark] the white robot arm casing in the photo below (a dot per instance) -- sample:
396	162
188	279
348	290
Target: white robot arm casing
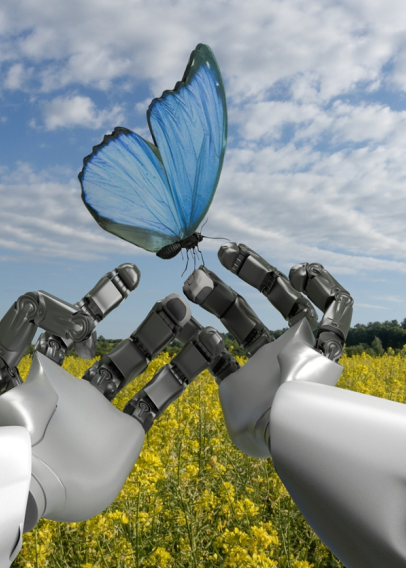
15	476
341	456
83	448
247	395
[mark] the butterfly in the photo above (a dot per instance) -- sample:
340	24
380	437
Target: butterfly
156	195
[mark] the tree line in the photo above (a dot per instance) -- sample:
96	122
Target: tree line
374	338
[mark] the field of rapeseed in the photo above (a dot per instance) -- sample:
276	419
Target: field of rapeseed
193	500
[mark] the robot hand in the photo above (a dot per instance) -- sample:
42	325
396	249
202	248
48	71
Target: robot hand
70	450
66	325
339	453
26	411
247	394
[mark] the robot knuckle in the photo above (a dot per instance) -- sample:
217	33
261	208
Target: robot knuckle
298	276
228	255
198	286
177	309
130	275
30	304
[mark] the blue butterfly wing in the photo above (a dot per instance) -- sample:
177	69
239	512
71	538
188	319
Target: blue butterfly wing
189	126
125	188
150	195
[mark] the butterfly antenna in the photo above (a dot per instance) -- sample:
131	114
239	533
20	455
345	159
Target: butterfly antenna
204	225
205	237
216	238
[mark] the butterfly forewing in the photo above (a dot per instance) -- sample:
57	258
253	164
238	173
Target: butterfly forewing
189	126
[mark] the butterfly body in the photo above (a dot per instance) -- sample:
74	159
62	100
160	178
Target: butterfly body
170	251
155	195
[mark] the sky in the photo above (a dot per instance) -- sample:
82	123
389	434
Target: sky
315	167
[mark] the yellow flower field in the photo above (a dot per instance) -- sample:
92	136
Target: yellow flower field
193	500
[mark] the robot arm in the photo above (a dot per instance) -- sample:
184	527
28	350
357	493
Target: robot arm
132	356
109	292
339	453
206	289
171	380
286	294
83	448
246	395
273	284
26	411
341	456
15	473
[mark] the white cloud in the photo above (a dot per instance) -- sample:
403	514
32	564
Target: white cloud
15	77
371	306
50	220
320	50
348	207
77	110
343	123
315	168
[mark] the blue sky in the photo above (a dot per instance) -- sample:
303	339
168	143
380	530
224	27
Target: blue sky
315	168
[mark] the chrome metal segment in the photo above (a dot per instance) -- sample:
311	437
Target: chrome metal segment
131	357
330	297
40	309
62	319
9	377
52	347
273	284
205	288
66	325
17	329
110	291
117	368
83	447
171	380
285	294
223	365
